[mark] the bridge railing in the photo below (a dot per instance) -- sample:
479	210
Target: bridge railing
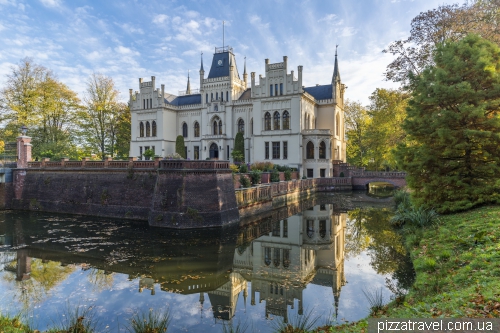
382	174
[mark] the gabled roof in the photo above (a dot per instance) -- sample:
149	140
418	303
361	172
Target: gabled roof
183	100
247	94
320	92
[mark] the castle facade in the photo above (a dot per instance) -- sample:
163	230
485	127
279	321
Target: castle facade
281	120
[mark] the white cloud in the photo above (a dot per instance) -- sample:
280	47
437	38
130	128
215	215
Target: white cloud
348	31
51	3
130	29
159	19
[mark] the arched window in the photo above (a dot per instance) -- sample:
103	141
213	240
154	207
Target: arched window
196	130
251	126
241	126
337	125
310	150
185	130
277	121
322	150
214	151
267	121
148	129
286	120
216	126
220	127
153	127
141	129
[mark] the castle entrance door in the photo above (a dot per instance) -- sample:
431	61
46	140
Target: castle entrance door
214	151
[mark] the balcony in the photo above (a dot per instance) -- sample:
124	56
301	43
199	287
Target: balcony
317	132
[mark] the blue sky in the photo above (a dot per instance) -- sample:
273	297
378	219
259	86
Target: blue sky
129	39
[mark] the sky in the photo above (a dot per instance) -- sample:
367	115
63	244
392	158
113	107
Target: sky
129	39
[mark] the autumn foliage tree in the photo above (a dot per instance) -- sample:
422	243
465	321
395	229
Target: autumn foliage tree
453	128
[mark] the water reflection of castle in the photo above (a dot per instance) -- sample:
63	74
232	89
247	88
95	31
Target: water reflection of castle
302	249
279	255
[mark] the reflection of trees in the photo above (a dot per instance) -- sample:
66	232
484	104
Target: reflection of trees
44	277
369	228
100	280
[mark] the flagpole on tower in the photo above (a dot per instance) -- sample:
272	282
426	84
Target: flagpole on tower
222	34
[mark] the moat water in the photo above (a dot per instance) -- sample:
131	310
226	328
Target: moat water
320	263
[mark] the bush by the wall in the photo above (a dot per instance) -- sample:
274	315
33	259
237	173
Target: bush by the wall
244	181
275	176
256	176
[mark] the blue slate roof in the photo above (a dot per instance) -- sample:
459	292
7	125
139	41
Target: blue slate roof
219	70
183	100
320	92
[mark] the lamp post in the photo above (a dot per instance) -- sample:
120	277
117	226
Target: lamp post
24	129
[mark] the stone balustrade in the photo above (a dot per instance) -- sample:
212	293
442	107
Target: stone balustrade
133	163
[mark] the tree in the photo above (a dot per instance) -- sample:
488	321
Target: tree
99	118
447	22
453	128
239	148
356	122
120	132
384	132
179	146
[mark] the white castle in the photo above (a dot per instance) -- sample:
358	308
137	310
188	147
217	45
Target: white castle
281	120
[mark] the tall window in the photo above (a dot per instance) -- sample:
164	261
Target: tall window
276	89
267	121
277	256
220	127
286	258
337	125
221	96
150	103
140	153
196	129
141	130
277	119
241	126
322	150
143	103
286	120
251	126
322	228
285	150
267	256
153	126
217	95
276	229
270	90
196	152
285	228
185	130
310	150
276	150
310	228
227	96
266	150
148	129
216	126
216	107
206	98
305	121
281	88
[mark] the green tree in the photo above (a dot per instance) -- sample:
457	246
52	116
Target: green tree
238	153
98	120
356	122
453	127
384	131
121	131
179	146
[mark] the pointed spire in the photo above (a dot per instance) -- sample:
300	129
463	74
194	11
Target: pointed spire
201	68
336	73
188	89
245	67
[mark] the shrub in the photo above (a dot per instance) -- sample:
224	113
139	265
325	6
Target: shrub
154	321
174	156
149	154
262	166
304	177
244	181
234	168
179	146
256	176
288	174
275	176
239	148
243	168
